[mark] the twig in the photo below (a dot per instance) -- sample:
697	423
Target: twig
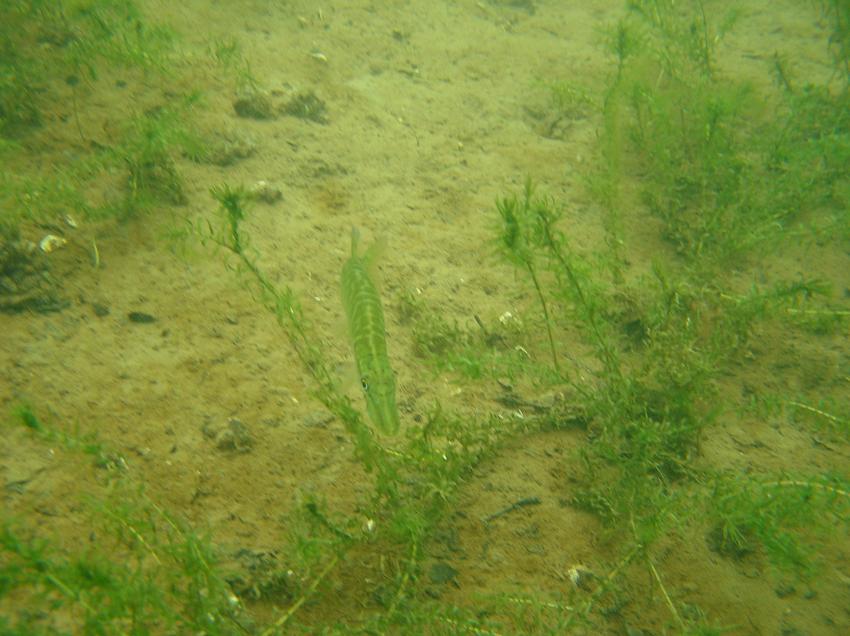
528	501
547	604
279	623
667	598
819	312
404	579
808	484
545	315
812	409
136	534
604	585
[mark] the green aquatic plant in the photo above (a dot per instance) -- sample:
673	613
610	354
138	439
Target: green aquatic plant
478	348
65	55
515	243
726	178
45	45
837	13
228	54
784	517
148	151
660	345
648	413
146	572
688	37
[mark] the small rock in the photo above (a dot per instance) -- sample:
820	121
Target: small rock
227	148
784	590
442	573
581	577
317	419
100	310
546	401
255	105
264	192
140	317
306	106
234	437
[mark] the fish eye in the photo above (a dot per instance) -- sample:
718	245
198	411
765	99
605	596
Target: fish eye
365	384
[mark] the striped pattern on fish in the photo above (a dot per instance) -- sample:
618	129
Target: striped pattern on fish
367	332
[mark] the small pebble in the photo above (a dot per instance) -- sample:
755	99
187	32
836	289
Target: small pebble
100	310
233	437
317	419
264	192
442	573
140	317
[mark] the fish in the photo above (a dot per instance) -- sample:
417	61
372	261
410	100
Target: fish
367	332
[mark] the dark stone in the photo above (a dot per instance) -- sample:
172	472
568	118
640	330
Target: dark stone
140	317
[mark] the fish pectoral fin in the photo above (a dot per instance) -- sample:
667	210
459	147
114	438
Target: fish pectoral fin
371	259
349	378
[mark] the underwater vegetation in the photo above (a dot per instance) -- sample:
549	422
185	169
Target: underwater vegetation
101	163
650	372
726	180
61	51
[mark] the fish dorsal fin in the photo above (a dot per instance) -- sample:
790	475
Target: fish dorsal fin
372	254
355	239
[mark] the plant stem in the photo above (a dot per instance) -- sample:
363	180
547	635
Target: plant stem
545	315
277	626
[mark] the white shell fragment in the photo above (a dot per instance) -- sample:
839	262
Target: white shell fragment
50	243
581	577
265	192
506	317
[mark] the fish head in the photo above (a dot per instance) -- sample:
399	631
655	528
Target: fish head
379	389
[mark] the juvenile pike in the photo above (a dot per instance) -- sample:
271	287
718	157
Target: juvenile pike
366	330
